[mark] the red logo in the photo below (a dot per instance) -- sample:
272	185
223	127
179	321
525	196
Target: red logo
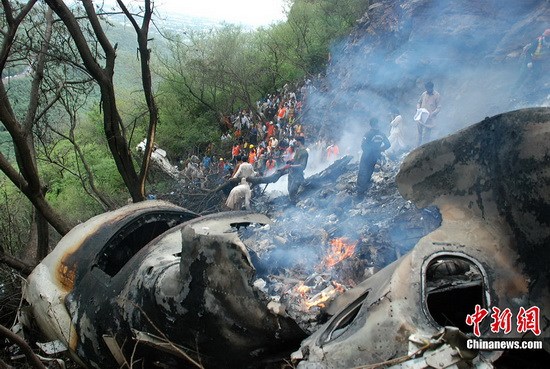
476	318
529	320
526	320
501	320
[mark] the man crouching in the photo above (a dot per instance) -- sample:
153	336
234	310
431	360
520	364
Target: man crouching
240	196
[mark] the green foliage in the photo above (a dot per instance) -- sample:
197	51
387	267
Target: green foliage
182	132
63	173
15	217
312	26
17	90
66	191
203	76
6	145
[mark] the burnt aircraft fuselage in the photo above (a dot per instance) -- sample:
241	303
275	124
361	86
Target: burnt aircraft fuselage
491	183
134	286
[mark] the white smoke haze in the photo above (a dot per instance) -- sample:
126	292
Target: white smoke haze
469	49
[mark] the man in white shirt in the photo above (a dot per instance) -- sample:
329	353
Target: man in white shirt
245	170
240	196
431	101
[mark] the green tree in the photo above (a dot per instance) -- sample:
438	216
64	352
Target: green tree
101	67
205	76
58	59
312	26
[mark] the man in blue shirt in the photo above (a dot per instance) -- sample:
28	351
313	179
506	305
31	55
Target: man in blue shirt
373	143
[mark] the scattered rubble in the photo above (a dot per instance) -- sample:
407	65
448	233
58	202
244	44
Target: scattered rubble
331	241
487	182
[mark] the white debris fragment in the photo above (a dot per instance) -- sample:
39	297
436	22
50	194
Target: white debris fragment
277	308
260	285
52	347
297	355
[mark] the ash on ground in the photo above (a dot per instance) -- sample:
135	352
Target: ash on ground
331	240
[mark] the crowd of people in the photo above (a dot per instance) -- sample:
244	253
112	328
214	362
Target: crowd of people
260	142
272	138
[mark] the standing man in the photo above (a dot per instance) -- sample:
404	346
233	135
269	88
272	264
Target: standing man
243	169
397	137
296	169
429	100
373	143
332	152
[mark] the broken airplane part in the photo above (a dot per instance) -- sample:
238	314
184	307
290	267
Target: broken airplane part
153	285
491	183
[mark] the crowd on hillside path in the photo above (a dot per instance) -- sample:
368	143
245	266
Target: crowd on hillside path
262	141
271	138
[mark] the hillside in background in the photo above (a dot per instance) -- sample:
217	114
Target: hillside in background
471	50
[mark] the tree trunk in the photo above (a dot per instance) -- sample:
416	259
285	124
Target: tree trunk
26	176
112	122
43	237
118	145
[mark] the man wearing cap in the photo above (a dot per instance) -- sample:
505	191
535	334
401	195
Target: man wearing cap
373	143
429	100
296	169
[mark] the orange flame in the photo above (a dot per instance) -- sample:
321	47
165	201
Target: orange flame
302	289
325	295
341	248
319	299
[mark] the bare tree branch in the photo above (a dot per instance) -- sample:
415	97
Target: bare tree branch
27	179
31	356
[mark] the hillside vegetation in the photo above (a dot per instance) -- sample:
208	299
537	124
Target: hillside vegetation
199	76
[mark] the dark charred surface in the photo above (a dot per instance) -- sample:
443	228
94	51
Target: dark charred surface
102	264
193	290
109	247
503	163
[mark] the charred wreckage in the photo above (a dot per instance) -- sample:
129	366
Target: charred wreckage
155	285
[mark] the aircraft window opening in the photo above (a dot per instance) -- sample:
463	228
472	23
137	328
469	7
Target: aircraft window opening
341	322
132	238
453	286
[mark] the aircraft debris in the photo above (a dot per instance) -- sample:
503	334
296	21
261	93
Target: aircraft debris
134	285
159	285
490	182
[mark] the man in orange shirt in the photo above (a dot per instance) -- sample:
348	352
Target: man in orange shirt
252	155
332	152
